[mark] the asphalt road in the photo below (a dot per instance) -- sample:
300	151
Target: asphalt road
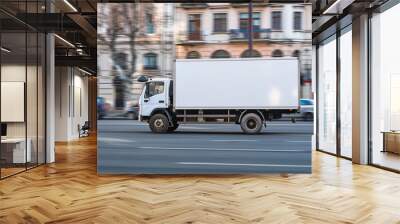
129	147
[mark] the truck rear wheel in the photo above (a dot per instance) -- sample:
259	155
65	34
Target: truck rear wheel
159	123
251	123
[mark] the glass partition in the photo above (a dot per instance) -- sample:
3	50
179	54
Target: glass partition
22	88
31	97
14	145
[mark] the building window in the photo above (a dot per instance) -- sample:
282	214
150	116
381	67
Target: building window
244	21
220	54
277	53
193	55
345	82
276	20
194	27
297	22
220	22
385	89
250	54
149	23
150	61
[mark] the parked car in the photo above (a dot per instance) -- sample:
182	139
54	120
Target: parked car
101	108
307	109
133	112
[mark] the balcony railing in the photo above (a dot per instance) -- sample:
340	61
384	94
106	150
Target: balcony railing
242	34
194	36
190	37
198	5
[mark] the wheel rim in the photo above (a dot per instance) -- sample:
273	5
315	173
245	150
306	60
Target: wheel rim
251	124
159	123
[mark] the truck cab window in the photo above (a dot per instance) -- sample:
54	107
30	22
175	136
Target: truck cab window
154	88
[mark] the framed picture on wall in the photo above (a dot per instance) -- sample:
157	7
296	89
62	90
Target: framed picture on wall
12	101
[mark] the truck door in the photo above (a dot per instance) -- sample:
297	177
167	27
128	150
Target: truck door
154	97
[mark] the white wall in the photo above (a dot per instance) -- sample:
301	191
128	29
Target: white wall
71	102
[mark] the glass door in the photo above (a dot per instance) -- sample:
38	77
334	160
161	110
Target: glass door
327	95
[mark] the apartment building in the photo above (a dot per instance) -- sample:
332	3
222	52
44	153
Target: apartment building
220	30
129	49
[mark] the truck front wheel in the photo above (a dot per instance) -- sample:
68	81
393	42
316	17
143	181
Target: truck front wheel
159	123
251	123
173	128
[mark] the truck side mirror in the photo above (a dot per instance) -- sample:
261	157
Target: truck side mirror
142	78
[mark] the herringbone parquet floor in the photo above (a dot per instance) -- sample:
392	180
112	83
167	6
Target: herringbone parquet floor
70	191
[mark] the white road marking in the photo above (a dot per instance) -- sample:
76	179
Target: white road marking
243	164
295	124
227	140
189	127
215	149
299	141
127	123
114	139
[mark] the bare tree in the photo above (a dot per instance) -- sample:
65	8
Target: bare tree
131	19
113	30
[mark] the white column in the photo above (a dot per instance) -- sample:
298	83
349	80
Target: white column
360	90
50	99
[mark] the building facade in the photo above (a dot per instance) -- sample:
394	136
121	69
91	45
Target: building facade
220	30
133	40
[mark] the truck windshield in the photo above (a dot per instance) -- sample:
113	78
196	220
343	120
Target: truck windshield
154	88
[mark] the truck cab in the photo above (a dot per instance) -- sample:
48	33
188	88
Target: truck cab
155	96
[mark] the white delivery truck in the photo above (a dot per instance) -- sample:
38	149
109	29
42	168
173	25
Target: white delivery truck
245	91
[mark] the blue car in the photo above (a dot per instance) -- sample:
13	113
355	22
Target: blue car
101	108
307	109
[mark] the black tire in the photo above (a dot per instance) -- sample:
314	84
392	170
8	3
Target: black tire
251	123
131	116
308	117
173	128
159	123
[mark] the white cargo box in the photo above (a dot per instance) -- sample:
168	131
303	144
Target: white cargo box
243	83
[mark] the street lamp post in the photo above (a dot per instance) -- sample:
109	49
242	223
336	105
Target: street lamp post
250	27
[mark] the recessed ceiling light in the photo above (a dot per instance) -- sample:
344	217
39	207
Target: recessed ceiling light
70	5
337	7
84	71
64	40
5	50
